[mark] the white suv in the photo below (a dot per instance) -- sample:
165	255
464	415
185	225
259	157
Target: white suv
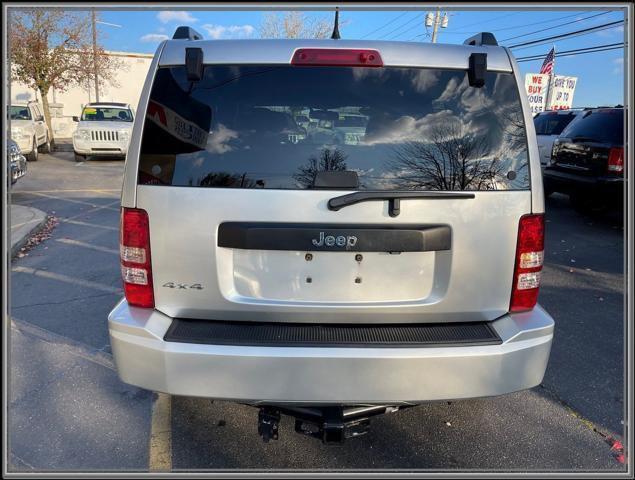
103	130
29	130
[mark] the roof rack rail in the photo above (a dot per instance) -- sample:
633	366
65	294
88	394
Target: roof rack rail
480	39
186	33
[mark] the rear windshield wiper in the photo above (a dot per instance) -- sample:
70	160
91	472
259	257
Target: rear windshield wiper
393	198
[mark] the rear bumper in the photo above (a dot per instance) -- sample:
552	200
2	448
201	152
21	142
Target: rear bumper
326	375
566	182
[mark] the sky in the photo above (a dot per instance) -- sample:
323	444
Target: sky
600	74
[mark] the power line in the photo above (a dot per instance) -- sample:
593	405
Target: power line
555	26
386	24
402	25
516	27
528	57
569	34
490	20
495	30
572	54
404	31
577	35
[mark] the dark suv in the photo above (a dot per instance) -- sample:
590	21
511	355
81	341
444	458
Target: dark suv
587	160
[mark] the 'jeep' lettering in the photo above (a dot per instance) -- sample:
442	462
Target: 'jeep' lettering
332	241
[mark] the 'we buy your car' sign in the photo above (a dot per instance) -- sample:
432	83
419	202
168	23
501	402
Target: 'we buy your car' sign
540	99
536	86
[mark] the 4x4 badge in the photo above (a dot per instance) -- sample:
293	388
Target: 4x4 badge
332	241
183	286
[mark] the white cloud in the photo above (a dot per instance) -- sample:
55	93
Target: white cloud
619	66
218	141
153	37
232	31
408	129
166	16
425	79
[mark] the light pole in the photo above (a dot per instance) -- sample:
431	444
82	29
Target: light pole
95	67
95	56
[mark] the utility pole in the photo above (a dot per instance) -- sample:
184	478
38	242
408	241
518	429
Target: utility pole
436	20
94	22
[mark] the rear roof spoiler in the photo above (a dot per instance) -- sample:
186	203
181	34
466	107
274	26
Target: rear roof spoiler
480	39
186	33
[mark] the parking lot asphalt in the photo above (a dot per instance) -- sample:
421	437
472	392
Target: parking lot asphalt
69	411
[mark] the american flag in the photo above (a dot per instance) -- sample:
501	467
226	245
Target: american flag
547	65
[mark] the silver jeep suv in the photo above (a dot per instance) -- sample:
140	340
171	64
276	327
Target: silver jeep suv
331	229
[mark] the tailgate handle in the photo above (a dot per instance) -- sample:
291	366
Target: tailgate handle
394	207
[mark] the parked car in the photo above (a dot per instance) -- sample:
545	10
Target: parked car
548	126
321	277
29	130
587	161
17	161
103	130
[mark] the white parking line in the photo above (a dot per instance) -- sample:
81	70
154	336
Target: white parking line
81	202
98	190
69	241
92	225
66	279
107	206
160	458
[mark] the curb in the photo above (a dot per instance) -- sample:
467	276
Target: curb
20	243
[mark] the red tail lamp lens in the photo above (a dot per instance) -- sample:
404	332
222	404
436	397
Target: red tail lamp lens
529	260
134	249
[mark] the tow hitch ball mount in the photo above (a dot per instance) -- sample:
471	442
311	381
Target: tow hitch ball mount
329	424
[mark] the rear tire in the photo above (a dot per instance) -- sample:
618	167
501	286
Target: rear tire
33	155
46	147
79	157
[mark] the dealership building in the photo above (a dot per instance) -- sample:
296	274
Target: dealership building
65	104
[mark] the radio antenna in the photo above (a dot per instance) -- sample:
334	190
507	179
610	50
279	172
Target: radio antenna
336	31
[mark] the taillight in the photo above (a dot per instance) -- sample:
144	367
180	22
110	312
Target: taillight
616	160
530	250
134	252
337	57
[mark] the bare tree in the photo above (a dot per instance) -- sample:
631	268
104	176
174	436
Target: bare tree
328	161
294	25
53	48
450	159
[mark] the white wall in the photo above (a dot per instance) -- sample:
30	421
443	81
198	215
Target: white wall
70	102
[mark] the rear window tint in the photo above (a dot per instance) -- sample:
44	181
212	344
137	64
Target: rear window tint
552	123
604	126
277	126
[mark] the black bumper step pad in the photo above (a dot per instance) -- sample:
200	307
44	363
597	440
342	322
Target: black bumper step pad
211	332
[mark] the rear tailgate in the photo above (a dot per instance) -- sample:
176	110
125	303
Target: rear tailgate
471	281
240	227
581	156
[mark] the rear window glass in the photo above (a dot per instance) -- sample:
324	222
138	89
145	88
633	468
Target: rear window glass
277	126
604	126
552	123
